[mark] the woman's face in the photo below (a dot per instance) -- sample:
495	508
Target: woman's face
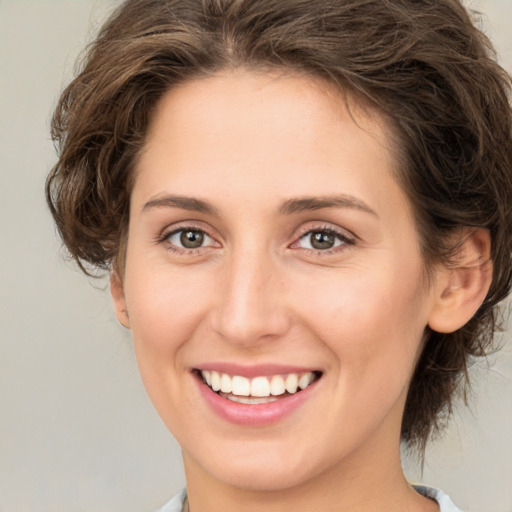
270	243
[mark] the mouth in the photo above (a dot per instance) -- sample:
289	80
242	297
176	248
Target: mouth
260	389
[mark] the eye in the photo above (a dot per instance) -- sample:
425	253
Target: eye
188	238
322	240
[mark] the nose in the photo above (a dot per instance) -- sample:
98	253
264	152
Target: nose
251	301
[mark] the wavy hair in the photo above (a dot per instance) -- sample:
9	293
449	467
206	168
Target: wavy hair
422	63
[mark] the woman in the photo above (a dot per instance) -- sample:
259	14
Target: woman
305	210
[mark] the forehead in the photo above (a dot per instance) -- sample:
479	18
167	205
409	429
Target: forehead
269	97
249	134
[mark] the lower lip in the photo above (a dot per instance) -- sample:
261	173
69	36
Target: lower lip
257	415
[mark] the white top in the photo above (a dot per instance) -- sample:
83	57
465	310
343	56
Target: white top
176	504
444	501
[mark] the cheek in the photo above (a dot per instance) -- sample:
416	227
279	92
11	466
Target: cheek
371	319
374	328
165	308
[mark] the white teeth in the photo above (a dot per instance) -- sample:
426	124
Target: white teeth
241	386
249	399
259	387
225	383
292	382
277	386
305	380
208	377
215	381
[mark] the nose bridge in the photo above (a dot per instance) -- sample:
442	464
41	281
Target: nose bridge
250	307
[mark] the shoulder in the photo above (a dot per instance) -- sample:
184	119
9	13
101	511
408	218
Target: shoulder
444	501
176	503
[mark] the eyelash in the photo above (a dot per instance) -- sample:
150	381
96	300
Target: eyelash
344	239
166	236
339	236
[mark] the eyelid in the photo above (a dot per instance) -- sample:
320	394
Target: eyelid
168	231
347	237
312	226
343	234
207	239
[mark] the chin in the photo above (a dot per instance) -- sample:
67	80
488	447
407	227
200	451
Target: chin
263	478
260	467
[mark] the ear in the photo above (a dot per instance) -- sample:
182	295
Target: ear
117	292
462	286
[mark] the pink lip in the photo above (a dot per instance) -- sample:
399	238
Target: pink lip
257	415
261	370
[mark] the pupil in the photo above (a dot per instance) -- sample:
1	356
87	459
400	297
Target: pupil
191	239
322	240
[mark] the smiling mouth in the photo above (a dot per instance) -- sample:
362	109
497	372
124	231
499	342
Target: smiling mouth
258	390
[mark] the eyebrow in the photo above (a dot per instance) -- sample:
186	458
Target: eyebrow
295	205
183	202
305	204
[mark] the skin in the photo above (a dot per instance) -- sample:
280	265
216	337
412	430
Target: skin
256	292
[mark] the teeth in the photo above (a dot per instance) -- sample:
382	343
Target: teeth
225	383
249	399
241	386
292	382
258	387
215	381
305	380
277	386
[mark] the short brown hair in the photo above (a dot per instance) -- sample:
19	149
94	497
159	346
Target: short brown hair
422	63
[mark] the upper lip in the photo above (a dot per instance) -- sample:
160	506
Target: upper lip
251	371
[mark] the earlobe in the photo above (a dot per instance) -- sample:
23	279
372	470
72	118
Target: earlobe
462	286
117	292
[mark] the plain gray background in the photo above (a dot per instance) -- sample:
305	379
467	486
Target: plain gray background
77	432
